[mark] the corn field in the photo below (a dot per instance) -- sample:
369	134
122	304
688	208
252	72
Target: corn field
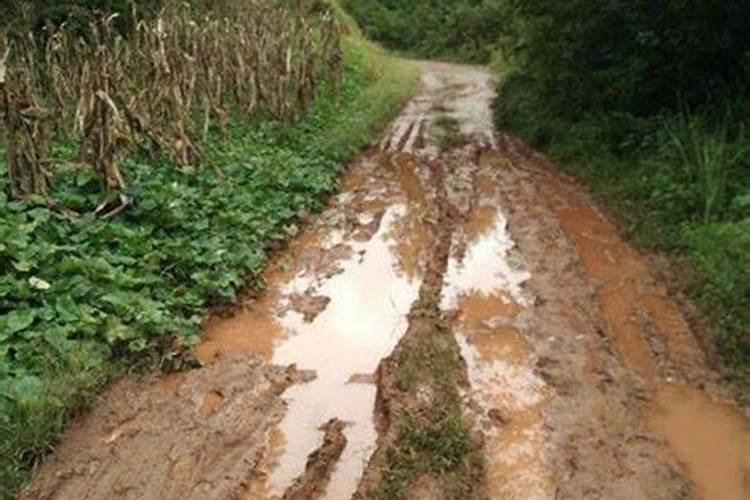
156	90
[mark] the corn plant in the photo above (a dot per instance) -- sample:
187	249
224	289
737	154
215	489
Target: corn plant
161	88
24	116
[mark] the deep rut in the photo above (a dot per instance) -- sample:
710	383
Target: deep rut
461	322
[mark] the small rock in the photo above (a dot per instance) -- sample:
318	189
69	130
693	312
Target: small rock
497	417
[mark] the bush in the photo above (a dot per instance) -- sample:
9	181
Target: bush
463	30
634	56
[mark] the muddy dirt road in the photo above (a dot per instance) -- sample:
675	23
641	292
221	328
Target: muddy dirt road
578	377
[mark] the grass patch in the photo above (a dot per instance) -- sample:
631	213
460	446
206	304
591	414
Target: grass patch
447	132
83	301
433	437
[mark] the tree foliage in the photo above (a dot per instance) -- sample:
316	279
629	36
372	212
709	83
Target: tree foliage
21	14
454	29
635	56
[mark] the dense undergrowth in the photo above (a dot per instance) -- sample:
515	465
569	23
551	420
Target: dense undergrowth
459	30
83	300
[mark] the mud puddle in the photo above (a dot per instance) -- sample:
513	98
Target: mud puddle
484	284
710	439
335	306
362	324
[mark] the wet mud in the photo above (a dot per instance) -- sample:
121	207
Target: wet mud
710	439
577	375
198	436
622	342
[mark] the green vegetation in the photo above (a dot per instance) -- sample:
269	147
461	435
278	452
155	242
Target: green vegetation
462	30
82	300
447	132
432	436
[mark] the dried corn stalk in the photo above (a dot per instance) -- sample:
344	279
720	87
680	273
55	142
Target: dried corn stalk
164	87
24	115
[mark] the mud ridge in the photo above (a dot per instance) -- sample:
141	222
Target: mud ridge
320	464
408	395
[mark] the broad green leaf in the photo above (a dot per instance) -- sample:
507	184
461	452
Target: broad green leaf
16	321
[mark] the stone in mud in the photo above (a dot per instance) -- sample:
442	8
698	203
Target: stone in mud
308	304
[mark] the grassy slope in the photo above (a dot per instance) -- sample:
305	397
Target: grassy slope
132	292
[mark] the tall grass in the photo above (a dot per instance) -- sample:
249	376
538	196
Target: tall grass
706	159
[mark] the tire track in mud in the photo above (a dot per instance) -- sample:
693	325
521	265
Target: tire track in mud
419	383
638	412
460	322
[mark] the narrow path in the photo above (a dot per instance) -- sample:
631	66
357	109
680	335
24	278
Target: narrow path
574	372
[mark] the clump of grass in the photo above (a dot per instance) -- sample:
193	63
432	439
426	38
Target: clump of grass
433	436
35	410
447	131
706	159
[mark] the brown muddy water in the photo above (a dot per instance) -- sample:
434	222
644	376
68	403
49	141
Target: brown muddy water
711	439
367	290
484	283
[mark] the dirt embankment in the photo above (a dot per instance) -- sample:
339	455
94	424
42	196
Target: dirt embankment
460	322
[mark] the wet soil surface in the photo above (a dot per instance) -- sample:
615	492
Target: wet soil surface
580	377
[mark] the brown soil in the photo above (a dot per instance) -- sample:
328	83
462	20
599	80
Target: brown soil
199	436
575	373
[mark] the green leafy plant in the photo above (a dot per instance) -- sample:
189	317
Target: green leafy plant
707	159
